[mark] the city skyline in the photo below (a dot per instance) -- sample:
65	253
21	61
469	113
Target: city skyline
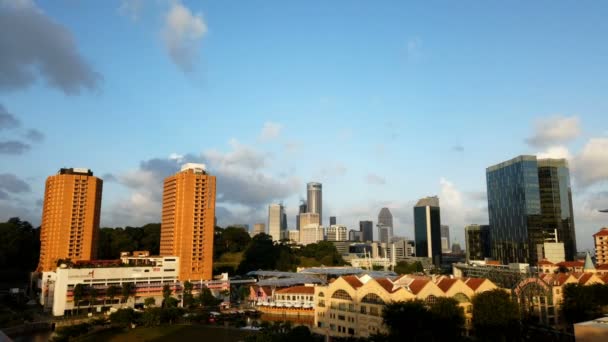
377	89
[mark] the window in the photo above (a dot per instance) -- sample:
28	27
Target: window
430	300
372	298
341	294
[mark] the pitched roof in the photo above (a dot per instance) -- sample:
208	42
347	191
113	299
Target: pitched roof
571	263
417	285
298	290
602	232
603	267
545	262
386	284
584	278
446	283
474	283
353	281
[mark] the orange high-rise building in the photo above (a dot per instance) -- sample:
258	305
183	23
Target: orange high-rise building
70	217
188	221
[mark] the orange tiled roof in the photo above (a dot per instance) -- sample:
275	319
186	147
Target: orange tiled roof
602	232
545	262
571	263
603	267
446	283
353	281
417	285
386	284
298	290
584	278
493	263
474	283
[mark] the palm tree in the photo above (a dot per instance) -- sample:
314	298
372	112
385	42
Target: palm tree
92	292
78	292
111	292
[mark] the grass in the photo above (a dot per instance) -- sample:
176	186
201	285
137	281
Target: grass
170	333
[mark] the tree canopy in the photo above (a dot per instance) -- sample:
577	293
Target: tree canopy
496	316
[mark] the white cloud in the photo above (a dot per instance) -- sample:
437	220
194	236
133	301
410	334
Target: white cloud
555	152
458	212
131	8
554	130
375	179
182	35
270	131
591	164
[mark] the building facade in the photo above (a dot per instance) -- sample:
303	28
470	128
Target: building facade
384	233
301	210
445	238
188	219
427	229
529	203
385	218
308	218
367	230
477	242
276	214
355	235
332	221
601	246
314	202
258	228
70	217
337	233
311	233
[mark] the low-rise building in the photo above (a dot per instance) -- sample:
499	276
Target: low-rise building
601	246
337	233
311	233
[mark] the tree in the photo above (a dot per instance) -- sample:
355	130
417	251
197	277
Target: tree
149	302
495	316
123	317
409	320
166	293
92	294
206	298
111	292
583	303
188	299
78	293
403	267
260	254
448	315
19	246
127	289
151	317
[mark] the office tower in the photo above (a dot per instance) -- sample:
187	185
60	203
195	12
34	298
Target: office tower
529	203
477	241
302	210
355	235
258	228
385	218
315	199
70	217
427	229
383	233
456	249
293	236
187	223
336	233
445	238
332	221
308	218
601	246
275	221
311	233
367	230
284	221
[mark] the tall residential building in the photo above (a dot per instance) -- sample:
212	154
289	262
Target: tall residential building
445	239
385	218
384	233
314	192
601	246
336	233
308	218
529	203
301	210
367	230
477	241
70	217
332	221
427	229
311	233
276	214
258	228
188	218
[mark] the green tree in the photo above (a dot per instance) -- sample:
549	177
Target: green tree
260	254
149	302
19	246
112	292
187	294
495	316
583	303
234	239
92	294
206	298
126	291
78	294
448	315
123	317
409	320
151	317
166	294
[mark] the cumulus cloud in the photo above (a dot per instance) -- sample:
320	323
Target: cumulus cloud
590	166
555	152
7	120
270	131
554	130
375	179
33	45
131	8
11	184
242	184
459	210
182	34
13	147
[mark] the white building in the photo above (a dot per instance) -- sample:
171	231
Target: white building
294	236
147	276
311	233
551	251
276	221
337	233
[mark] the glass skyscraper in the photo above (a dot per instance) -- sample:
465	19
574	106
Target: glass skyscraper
427	229
529	202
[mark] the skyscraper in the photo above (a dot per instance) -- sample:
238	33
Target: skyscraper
367	230
445	239
427	229
188	218
385	218
332	221
383	233
258	228
275	221
302	210
70	217
477	241
314	192
529	203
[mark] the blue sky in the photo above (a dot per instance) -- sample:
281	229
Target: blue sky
382	104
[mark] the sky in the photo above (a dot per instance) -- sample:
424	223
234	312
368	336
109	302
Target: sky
383	103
